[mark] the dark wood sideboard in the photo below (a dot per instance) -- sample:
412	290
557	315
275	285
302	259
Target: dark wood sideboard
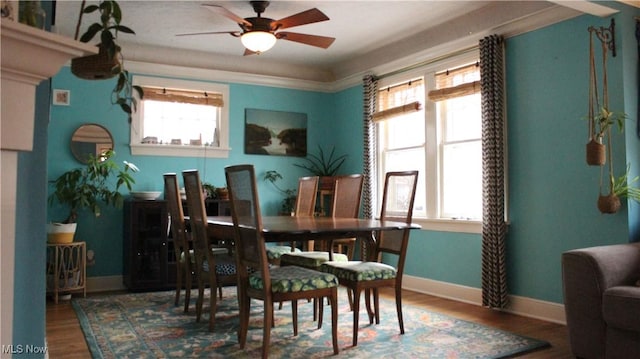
148	250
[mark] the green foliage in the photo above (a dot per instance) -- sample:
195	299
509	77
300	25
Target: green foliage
605	119
289	200
210	189
623	186
321	165
108	28
88	186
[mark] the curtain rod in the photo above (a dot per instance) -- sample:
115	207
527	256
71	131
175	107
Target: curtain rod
428	62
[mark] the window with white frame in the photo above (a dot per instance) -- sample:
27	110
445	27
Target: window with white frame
180	118
430	120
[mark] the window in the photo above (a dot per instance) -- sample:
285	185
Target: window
430	120
180	118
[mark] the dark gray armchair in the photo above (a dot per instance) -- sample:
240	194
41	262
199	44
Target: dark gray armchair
602	300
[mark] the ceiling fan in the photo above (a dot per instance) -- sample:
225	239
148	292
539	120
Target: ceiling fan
259	34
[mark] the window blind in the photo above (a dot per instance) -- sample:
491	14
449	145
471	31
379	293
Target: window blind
399	99
462	81
183	96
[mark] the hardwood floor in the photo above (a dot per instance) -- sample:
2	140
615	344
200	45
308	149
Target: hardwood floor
65	338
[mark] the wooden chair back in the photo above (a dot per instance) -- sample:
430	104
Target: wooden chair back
176	212
198	221
397	205
347	196
307	195
247	221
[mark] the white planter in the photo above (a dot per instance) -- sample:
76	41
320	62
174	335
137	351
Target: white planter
60	232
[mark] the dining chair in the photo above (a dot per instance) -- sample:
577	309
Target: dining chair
305	207
256	279
345	204
371	274
183	255
204	264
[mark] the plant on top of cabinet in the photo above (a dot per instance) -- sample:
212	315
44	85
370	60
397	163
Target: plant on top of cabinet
321	165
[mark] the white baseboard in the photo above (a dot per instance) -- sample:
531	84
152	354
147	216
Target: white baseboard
527	307
104	284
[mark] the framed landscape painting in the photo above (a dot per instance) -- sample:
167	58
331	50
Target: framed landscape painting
279	133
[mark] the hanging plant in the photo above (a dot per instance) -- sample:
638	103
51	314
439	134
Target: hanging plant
108	63
600	128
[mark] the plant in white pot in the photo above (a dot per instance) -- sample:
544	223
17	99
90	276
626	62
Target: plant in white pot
88	188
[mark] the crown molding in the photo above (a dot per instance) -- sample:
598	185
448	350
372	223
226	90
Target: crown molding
460	33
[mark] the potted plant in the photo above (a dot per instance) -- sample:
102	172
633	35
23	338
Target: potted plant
620	187
210	190
86	187
108	62
600	125
289	201
323	166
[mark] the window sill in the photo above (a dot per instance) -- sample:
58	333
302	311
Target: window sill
179	151
449	225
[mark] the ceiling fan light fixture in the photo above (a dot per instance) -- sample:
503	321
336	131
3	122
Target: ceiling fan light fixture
258	41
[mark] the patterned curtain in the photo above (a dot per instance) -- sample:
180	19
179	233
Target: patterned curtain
370	88
494	276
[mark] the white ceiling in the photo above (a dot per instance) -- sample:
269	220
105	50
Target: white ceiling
368	33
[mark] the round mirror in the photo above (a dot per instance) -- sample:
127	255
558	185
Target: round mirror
90	139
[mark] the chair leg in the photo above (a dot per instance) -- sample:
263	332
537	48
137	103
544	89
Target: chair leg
200	299
399	308
367	298
376	304
315	308
334	320
356	310
266	330
244	303
294	316
321	311
187	289
212	304
179	276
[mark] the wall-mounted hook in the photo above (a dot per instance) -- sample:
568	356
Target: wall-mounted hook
607	35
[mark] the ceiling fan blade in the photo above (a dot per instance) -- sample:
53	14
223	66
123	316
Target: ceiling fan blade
226	13
306	17
232	33
313	40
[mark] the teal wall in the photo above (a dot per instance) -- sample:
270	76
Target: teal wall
29	301
552	190
90	103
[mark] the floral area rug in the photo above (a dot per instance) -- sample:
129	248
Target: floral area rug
148	325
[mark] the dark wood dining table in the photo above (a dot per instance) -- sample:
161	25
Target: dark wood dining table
291	228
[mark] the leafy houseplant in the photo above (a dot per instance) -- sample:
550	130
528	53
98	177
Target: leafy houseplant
108	62
600	125
289	200
321	165
87	186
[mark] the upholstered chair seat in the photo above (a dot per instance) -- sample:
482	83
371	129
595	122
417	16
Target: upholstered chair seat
294	279
312	259
360	271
